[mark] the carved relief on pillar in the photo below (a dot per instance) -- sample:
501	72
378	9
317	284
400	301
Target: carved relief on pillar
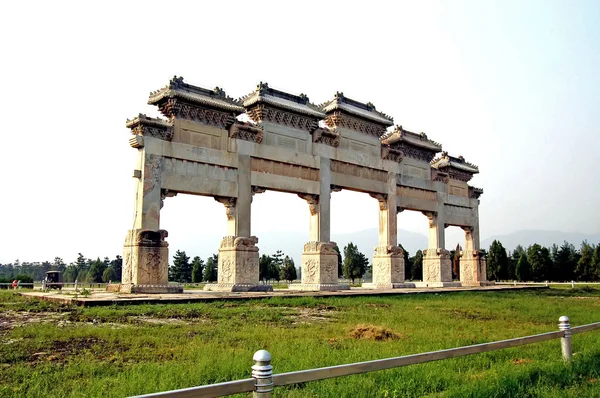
382	199
146	257
152	166
229	204
319	268
437	266
313	202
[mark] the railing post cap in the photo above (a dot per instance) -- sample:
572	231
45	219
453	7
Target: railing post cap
262	356
563	318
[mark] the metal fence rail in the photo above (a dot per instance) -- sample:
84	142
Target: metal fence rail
263	380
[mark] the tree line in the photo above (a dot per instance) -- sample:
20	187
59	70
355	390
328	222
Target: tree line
534	263
83	270
538	263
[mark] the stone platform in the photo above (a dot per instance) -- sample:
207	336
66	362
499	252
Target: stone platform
100	298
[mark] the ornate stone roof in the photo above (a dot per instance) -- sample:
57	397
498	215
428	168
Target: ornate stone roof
355	108
215	99
142	125
454	162
413	139
142	119
282	100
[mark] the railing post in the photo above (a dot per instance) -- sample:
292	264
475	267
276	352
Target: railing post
262	372
565	342
572	284
547	284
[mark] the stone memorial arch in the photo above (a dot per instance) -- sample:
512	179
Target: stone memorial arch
287	144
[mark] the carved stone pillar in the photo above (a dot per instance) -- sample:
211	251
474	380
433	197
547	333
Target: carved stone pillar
472	261
319	259
146	263
437	265
388	260
319	268
238	256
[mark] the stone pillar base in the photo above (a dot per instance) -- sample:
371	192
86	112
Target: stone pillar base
405	285
144	289
239	287
388	267
437	266
319	287
319	268
473	268
145	258
437	284
238	266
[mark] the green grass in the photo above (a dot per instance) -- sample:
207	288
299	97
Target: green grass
54	350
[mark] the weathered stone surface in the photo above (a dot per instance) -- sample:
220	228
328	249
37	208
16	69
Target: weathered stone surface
437	266
319	268
473	268
145	258
238	266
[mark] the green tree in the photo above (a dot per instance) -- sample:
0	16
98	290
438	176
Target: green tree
539	261
109	275
197	269
264	265
340	271
498	263
583	270
355	263
596	263
96	271
181	268
210	270
523	269
117	265
416	272
288	270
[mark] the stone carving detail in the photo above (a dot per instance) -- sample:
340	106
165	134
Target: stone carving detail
475	192
437	175
382	199
313	202
143	125
261	113
320	247
326	136
246	131
174	108
388	250
416	193
358	171
229	204
284	169
165	193
227	271
151	172
339	119
390	153
240	242
311	271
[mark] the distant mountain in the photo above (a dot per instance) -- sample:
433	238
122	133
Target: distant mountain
545	238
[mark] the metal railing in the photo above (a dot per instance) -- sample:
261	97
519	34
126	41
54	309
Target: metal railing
546	283
263	380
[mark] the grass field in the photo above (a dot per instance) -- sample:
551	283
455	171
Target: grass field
53	350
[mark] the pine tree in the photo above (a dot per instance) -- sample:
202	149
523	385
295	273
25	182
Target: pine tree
583	271
96	271
264	265
417	266
197	269
523	269
211	269
355	263
181	268
596	263
288	270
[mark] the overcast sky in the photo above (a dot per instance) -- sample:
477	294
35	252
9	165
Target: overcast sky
513	86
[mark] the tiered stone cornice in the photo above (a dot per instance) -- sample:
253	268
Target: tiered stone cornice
266	104
182	100
475	192
246	131
456	167
326	136
152	127
354	115
413	145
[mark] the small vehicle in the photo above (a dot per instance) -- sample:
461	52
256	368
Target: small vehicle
54	280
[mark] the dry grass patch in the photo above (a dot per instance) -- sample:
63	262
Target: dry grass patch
521	361
375	333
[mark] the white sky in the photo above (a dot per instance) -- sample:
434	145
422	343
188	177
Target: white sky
512	86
